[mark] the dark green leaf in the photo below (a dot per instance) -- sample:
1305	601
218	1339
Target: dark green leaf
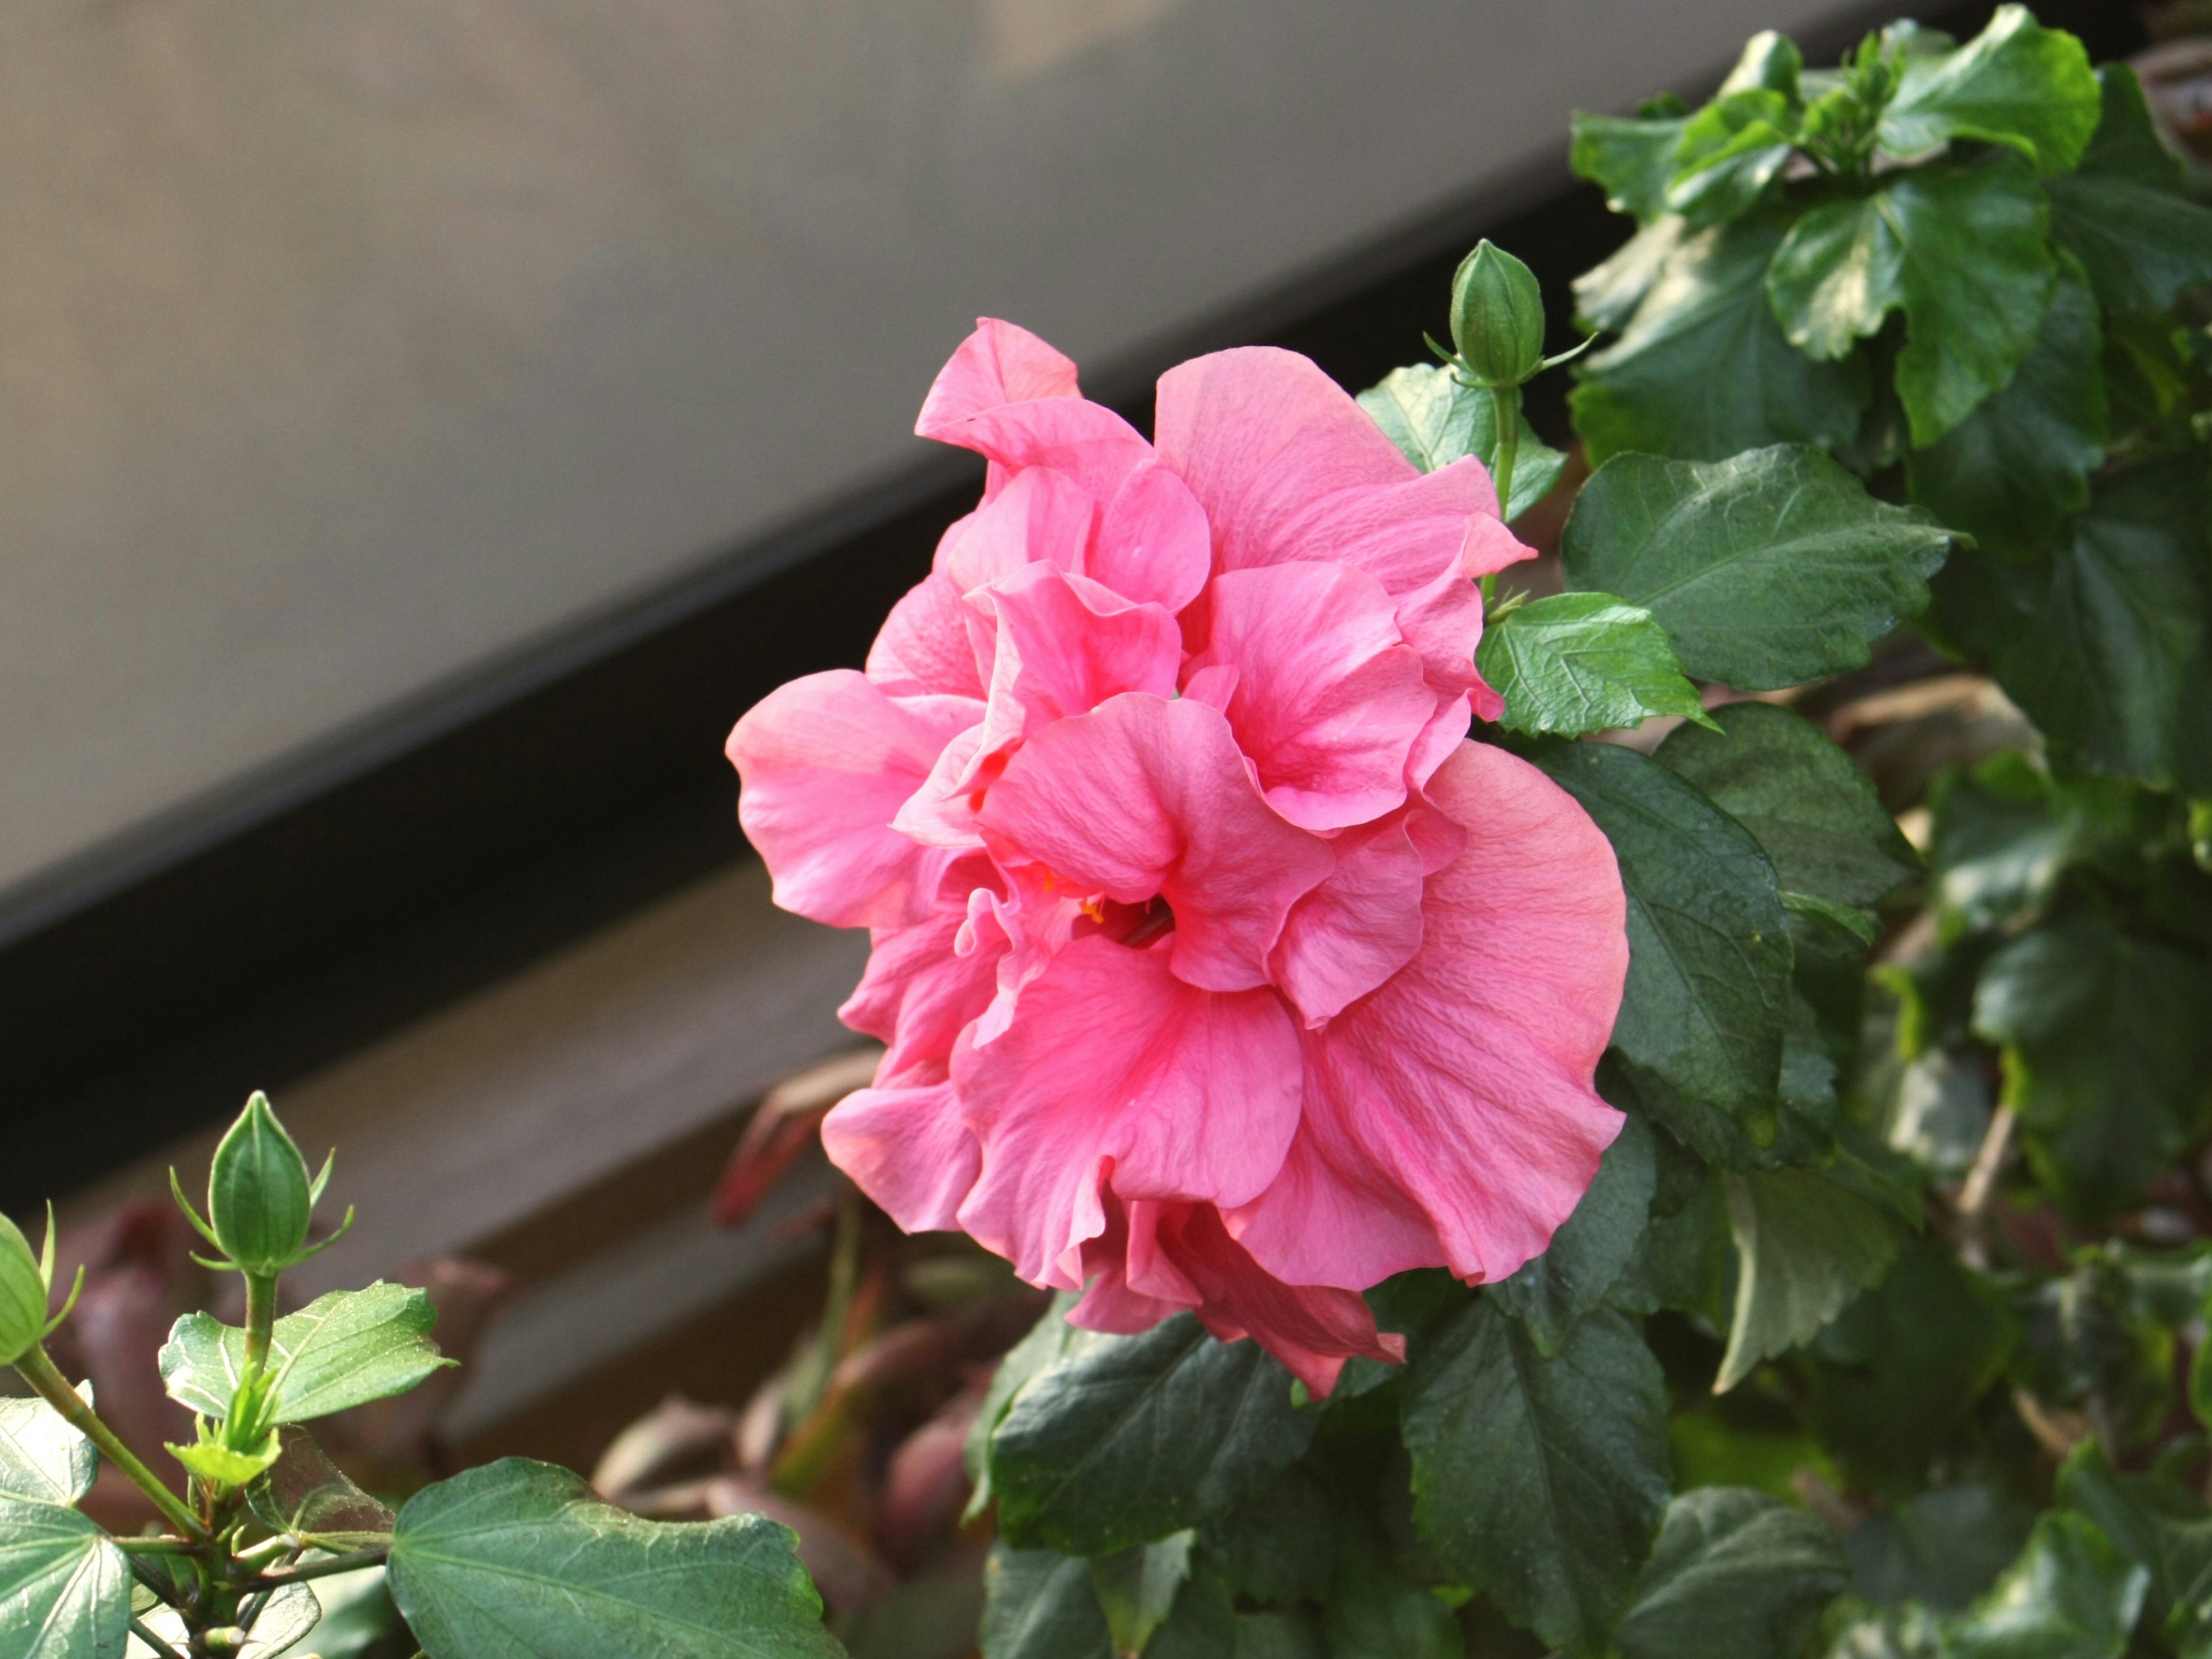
64	1587
1375	1615
1806	801
1123	1440
1945	1547
1541	1480
1767	570
1805	1246
1736	1576
1583	662
1041	1606
1048	1339
2070	1596
1137	1587
518	1558
340	1351
1279	1636
307	1495
2150	1519
2004	834
2124	214
1434	420
1703	371
1685	1260
1281	1545
2009	472
2016	84
42	1459
2105	643
2108	1053
1907	1633
1729	152
1629	159
1700	1029
1591	1248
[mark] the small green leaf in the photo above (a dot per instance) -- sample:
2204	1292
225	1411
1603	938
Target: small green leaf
1631	159
1592	1246
1702	370
1766	570
307	1495
341	1349
2010	472
1136	1588
520	1558
1583	662
1805	1246
1040	1605
1373	1613
1542	1480
43	1460
1729	152
2126	215
228	1467
1707	1001
1736	1576
2070	1596
2016	84
64	1587
1123	1440
1434	420
1810	806
2108	1057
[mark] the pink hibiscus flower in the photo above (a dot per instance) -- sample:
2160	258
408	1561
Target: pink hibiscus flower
1217	969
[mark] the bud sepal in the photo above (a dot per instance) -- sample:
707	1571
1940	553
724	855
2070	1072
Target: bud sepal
261	1201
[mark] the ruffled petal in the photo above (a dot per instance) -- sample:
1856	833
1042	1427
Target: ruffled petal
1042	515
999	363
1451	1118
926	982
825	763
1146	797
1359	927
1066	644
907	1148
923	647
1153	543
1328	698
1117	1069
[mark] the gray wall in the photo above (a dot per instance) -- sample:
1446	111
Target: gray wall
348	346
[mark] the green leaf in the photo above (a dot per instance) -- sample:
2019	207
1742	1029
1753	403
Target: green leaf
2011	472
1592	1246
1978	274
2004	834
1202	1624
1273	1635
1541	1480
1048	1339
2105	643
518	1558
1040	1605
1434	420
1373	1613
2107	1053
2125	215
1736	1576
1125	1439
43	1460
2149	1519
1945	1547
64	1587
340	1351
2016	84
1137	1587
1729	152
1606	295
307	1495
1700	1029
1837	274
1810	806
1805	1246
1907	1633
1631	159
1702	370
2070	1596
1583	662
1280	1546
225	1467
1766	570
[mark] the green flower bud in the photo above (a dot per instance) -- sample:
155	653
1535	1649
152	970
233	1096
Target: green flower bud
1498	317
23	1292
260	1200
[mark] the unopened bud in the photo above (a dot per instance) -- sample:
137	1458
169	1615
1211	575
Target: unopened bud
23	1293
260	1200
1498	317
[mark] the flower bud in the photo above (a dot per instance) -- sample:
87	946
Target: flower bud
260	1200
1498	317
22	1295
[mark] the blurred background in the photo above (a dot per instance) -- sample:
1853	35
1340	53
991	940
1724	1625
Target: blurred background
427	427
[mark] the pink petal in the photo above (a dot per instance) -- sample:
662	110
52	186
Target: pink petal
1328	698
921	987
909	1150
923	646
941	811
825	763
1450	1117
999	363
1042	515
1066	644
1117	1069
1153	544
1145	797
1359	927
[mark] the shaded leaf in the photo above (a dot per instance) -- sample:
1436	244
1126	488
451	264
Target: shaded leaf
2016	84
1583	662
1040	1605
42	1459
1541	1480
1700	1031
1631	158
1373	1613
2003	834
1944	1547
1592	1246
1735	1574
1047	1339
1435	421
1280	1546
520	1558
1805	1246
307	1495
1767	570
2125	214
1730	151
64	1587
340	1351
1125	1439
2151	1521
2070	1596
1136	1588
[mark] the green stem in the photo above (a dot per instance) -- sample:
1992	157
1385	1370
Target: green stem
1506	400
160	1648
53	1387
156	1546
260	1319
336	1563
